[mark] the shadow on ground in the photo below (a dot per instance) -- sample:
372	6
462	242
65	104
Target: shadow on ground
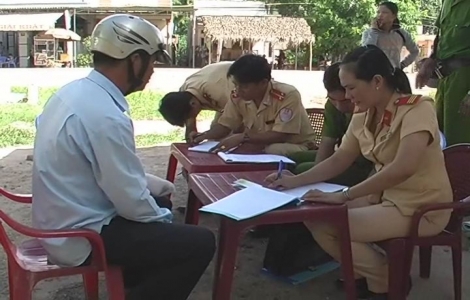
249	282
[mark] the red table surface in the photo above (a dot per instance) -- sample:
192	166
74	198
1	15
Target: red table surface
209	188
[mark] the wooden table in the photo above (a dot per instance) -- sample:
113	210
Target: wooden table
197	162
208	188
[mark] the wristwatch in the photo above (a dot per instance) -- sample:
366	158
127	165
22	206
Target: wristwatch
346	194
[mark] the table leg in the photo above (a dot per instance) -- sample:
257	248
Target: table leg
346	256
229	235
192	209
171	171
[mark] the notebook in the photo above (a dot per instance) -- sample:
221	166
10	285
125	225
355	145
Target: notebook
206	146
249	202
254	158
296	192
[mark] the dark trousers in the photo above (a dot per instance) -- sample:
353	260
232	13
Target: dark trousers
159	260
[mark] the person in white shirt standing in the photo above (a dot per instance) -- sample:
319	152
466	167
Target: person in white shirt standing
386	33
86	173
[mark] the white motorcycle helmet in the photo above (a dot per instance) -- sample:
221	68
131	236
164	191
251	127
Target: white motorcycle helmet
120	35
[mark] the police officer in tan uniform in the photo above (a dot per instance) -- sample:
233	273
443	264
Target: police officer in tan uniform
399	134
207	89
271	113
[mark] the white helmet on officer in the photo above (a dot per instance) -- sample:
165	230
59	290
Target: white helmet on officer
121	35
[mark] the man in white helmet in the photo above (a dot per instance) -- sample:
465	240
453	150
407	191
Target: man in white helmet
86	173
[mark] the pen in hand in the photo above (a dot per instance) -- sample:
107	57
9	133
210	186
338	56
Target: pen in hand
280	169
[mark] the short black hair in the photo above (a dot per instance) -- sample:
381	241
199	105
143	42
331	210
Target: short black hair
175	108
250	68
331	78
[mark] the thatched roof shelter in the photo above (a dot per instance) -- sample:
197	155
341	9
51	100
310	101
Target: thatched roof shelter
264	28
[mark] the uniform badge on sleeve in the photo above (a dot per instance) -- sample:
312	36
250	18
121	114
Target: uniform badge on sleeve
286	114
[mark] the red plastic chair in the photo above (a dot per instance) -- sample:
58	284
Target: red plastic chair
317	118
27	262
400	251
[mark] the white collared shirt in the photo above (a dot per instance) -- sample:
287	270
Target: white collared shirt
86	170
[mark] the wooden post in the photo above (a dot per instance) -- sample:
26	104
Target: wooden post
296	53
193	39
310	59
220	43
168	39
209	60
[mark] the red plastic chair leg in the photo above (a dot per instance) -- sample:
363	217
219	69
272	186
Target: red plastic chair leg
457	266
90	281
115	283
398	279
425	255
229	237
192	209
171	171
20	286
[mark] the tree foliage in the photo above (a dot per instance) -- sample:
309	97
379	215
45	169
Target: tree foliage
338	24
85	59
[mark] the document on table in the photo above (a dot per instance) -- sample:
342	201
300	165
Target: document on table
206	146
299	191
254	158
249	202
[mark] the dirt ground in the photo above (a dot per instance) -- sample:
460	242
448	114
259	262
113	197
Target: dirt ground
249	282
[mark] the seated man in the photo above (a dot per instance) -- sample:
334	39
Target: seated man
271	113
158	187
338	113
86	173
207	89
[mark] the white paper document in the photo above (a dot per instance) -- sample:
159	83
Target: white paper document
249	202
204	146
299	191
254	158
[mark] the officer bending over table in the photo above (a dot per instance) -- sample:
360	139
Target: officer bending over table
207	89
271	113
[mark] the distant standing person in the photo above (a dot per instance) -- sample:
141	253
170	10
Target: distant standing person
452	56
386	33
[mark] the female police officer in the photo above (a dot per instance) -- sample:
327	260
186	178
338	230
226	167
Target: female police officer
398	132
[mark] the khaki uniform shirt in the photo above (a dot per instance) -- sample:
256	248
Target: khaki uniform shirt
402	117
281	111
210	86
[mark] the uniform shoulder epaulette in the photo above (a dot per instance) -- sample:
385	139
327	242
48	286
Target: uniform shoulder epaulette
408	100
277	94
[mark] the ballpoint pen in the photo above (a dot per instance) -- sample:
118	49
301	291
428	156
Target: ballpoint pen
279	169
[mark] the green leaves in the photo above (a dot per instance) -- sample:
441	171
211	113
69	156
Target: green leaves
338	24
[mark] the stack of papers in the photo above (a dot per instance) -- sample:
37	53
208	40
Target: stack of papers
254	158
249	202
227	157
254	199
298	191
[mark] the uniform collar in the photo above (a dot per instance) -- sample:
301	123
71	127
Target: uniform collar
267	98
387	117
111	88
